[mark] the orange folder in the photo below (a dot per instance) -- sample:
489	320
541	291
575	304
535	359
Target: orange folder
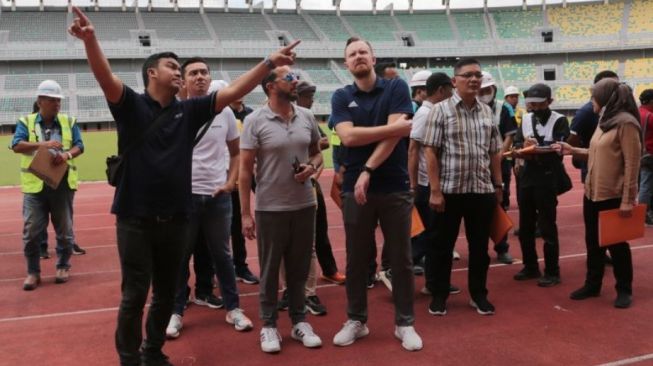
501	224
416	224
614	229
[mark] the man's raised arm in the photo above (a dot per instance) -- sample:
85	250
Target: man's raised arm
249	80
83	29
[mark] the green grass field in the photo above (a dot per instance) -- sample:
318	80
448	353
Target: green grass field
98	145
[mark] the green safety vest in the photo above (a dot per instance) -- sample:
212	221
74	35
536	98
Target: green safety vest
28	181
334	140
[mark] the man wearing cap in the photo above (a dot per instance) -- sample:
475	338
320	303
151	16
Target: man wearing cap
214	177
511	96
438	88
504	119
61	135
539	185
418	88
646	170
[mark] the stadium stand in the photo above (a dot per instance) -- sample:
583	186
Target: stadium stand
176	26
34	26
585	70
517	23
373	27
229	27
323	76
471	26
639	68
295	25
331	26
111	26
518	72
31	82
640	19
639	88
427	27
572	94
587	19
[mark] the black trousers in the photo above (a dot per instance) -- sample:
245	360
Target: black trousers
477	210
506	175
323	249
237	238
150	253
622	262
537	205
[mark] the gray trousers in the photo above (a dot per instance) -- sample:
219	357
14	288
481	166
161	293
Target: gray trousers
393	212
286	235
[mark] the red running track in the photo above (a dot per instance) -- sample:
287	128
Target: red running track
73	324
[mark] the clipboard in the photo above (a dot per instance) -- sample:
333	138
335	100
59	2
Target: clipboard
501	224
614	229
44	169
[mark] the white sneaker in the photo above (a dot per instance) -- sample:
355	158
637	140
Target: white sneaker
456	255
270	340
239	320
174	326
410	340
386	278
303	332
352	330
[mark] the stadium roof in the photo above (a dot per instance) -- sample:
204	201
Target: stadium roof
306	4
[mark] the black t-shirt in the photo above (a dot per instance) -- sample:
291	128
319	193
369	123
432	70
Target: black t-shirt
540	171
243	113
156	180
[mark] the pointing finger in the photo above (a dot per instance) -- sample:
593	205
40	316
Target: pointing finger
289	47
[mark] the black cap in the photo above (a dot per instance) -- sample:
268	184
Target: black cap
538	93
646	96
436	80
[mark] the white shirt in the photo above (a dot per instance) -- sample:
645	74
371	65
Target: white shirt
210	156
417	134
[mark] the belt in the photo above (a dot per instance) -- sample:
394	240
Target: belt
153	220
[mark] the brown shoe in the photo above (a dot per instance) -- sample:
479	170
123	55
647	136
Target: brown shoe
31	282
62	275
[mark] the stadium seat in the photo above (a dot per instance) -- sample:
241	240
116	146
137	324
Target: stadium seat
572	94
295	25
471	26
586	70
373	27
516	72
517	23
33	26
639	68
32	81
640	19
331	26
587	19
111	26
176	26
229	26
427	27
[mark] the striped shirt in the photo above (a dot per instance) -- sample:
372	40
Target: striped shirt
465	139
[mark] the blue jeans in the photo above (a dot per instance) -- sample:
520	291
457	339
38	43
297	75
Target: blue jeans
211	217
58	204
645	186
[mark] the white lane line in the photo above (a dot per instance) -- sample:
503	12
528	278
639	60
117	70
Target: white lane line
6	235
629	361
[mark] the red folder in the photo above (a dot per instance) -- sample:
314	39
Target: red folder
614	229
501	225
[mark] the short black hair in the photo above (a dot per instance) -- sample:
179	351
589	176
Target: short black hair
153	61
380	68
605	74
464	62
646	96
435	81
272	76
193	60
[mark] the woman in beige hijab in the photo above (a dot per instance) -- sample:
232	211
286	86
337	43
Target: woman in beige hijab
613	167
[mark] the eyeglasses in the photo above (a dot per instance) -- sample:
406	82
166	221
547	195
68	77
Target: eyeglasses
468	75
290	77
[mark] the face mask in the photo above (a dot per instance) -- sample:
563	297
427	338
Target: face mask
487	99
541	115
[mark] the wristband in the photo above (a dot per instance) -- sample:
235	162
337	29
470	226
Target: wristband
269	63
367	169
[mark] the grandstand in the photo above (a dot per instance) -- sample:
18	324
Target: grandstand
561	45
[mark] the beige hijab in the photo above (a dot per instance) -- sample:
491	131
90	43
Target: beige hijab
617	102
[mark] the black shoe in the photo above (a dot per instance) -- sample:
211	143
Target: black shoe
283	301
314	305
43	253
371	280
623	301
438	307
210	300
454	290
505	258
77	250
584	293
482	306
418	270
548	281
246	276
154	359
527	274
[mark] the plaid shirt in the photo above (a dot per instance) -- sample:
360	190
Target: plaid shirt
465	140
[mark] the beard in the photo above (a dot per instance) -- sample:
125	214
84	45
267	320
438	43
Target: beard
360	73
289	96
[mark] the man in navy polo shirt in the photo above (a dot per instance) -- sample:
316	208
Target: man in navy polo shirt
153	198
370	117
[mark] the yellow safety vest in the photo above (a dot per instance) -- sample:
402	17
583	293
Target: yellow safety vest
334	140
28	181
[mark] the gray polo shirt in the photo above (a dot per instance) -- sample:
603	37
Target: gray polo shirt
277	143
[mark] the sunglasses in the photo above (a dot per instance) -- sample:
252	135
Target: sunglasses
290	77
468	75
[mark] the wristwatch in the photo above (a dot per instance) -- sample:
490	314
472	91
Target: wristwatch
367	169
269	63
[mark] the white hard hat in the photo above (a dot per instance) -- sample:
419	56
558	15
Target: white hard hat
419	79
217	85
487	80
511	90
49	88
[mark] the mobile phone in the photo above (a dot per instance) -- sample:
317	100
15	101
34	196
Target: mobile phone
296	166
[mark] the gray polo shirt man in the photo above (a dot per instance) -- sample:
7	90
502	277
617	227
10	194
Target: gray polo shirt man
285	209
